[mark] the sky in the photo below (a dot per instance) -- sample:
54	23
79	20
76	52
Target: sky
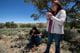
20	12
17	11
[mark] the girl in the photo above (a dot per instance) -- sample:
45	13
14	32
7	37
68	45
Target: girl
55	26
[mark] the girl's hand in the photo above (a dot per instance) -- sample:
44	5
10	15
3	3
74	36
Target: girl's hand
49	15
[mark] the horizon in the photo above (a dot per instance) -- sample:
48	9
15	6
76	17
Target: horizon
24	22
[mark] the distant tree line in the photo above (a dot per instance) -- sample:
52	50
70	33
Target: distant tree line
16	25
8	25
39	25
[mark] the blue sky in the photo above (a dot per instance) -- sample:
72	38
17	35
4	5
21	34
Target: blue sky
17	11
20	12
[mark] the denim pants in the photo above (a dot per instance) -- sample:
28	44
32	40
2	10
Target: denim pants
57	38
35	40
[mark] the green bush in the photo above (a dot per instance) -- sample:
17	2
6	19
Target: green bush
2	25
11	25
72	37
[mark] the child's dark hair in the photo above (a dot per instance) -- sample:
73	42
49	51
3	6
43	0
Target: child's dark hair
34	28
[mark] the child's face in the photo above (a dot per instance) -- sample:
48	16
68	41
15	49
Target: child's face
54	7
33	30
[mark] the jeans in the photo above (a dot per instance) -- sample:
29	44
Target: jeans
35	40
57	38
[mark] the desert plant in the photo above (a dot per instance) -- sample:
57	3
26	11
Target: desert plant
3	49
1	25
72	37
11	25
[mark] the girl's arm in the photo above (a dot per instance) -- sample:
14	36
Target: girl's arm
61	18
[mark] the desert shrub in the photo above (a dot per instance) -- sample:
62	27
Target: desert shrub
78	31
67	35
73	39
40	25
3	49
11	25
25	25
1	25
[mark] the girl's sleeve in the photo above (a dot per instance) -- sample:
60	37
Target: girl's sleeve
61	19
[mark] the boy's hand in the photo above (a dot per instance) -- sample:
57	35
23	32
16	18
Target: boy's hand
40	34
